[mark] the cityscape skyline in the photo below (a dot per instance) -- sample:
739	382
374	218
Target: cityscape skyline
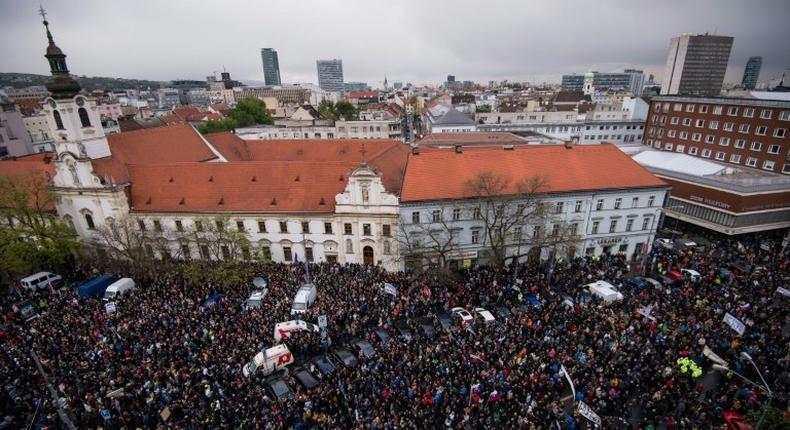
470	57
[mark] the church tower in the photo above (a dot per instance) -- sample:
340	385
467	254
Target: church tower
86	201
74	123
72	117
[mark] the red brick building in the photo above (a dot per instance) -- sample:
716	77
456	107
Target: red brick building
745	132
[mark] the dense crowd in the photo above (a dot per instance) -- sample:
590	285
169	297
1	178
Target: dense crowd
163	349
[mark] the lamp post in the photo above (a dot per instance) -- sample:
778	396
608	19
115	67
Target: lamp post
762	387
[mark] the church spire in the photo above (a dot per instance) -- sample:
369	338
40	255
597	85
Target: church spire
61	85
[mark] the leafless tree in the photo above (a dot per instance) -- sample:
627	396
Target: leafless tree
508	209
434	240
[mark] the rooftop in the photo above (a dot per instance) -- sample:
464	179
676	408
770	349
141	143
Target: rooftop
471	139
761	99
682	166
441	174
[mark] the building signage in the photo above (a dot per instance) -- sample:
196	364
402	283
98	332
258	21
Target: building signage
710	202
607	241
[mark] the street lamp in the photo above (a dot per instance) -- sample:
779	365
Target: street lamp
762	387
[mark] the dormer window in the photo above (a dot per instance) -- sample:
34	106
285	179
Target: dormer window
84	119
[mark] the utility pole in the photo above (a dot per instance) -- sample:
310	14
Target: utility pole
61	411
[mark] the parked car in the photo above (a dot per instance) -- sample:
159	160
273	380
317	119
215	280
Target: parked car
345	358
305	297
324	365
427	328
403	330
692	274
40	281
665	280
364	348
24	310
652	283
277	388
381	335
119	288
635	282
444	319
604	290
675	275
463	316
283	330
664	243
306	379
503	312
255	300
484	316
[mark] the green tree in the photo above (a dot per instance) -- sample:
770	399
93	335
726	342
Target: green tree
346	110
327	109
32	236
483	108
248	111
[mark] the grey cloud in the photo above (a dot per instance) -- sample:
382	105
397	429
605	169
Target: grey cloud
415	41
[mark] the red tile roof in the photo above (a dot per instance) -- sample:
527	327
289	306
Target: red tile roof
30	166
238	187
363	94
172	119
439	174
175	143
322	167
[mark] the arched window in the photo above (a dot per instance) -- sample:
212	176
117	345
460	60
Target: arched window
89	221
84	119
69	222
58	120
349	246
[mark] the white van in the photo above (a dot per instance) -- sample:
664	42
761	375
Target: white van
304	298
283	330
604	290
118	288
269	360
41	280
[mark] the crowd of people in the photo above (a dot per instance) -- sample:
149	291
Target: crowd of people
163	359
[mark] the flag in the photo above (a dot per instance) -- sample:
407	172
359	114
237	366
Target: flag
564	371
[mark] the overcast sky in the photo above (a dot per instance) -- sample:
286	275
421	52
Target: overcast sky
418	41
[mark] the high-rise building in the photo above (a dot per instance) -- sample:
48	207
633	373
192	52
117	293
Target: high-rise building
271	66
752	72
696	65
630	80
330	75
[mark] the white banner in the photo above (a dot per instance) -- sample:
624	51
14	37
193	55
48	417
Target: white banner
734	323
712	356
390	289
568	377
589	413
646	311
783	291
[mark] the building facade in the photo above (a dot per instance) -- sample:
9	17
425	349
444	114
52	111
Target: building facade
631	80
330	75
719	197
619	213
271	66
14	138
696	65
752	72
744	132
38	129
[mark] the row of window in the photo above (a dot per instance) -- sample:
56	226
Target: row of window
220	225
725	141
629	224
744	128
226	253
615	127
745	111
557	208
721	155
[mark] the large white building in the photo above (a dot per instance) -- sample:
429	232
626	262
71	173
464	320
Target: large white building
600	199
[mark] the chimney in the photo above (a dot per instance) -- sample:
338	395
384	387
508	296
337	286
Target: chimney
508	147
568	144
459	149
415	150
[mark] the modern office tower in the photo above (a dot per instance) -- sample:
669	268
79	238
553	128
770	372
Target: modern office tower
330	75
696	65
271	66
752	72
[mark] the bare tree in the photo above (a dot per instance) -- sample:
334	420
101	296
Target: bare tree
507	209
215	235
127	246
434	240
